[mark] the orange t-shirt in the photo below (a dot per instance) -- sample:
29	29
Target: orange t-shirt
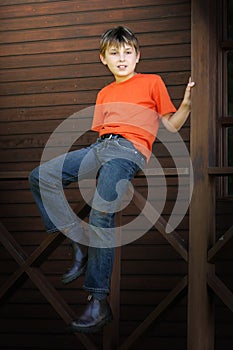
133	109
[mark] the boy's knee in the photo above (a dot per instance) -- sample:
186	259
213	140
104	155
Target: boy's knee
100	218
34	176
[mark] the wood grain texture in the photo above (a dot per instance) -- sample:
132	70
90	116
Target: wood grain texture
50	69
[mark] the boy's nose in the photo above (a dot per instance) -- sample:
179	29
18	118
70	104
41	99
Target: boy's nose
122	56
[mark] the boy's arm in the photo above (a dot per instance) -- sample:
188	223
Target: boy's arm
174	121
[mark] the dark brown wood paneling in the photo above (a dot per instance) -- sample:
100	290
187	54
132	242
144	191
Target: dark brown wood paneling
49	69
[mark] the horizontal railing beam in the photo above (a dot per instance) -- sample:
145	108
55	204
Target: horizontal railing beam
220	171
23	175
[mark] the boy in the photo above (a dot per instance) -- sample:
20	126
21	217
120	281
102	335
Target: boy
127	115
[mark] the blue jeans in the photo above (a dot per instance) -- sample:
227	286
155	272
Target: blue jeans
114	162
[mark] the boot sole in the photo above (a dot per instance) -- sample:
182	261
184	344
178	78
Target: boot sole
93	329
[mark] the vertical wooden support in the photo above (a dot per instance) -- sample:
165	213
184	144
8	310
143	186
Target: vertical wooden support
202	209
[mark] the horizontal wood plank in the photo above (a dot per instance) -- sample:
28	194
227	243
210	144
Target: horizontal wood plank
89	43
71	6
56	33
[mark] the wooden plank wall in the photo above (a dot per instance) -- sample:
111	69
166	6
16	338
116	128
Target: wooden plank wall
224	268
50	68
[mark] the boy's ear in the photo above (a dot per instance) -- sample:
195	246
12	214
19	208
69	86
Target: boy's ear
138	57
102	59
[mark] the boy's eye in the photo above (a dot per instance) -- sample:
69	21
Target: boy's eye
115	52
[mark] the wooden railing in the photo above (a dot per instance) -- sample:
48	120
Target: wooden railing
29	267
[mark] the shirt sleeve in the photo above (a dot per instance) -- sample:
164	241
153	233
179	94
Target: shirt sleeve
161	96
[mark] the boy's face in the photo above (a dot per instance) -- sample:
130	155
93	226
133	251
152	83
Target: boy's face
121	61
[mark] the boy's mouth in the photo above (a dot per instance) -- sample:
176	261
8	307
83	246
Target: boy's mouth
122	66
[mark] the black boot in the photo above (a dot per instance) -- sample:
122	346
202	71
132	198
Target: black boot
79	263
96	315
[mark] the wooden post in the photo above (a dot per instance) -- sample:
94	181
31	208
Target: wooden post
203	149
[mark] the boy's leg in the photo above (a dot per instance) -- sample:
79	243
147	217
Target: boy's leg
47	182
109	193
113	180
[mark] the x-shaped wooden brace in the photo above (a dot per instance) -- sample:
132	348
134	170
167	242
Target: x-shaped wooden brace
177	243
29	268
224	293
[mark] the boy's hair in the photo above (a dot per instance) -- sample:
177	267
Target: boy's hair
116	37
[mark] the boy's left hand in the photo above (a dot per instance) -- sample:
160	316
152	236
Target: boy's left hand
187	94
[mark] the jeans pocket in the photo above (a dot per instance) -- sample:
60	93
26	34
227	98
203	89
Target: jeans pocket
128	146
